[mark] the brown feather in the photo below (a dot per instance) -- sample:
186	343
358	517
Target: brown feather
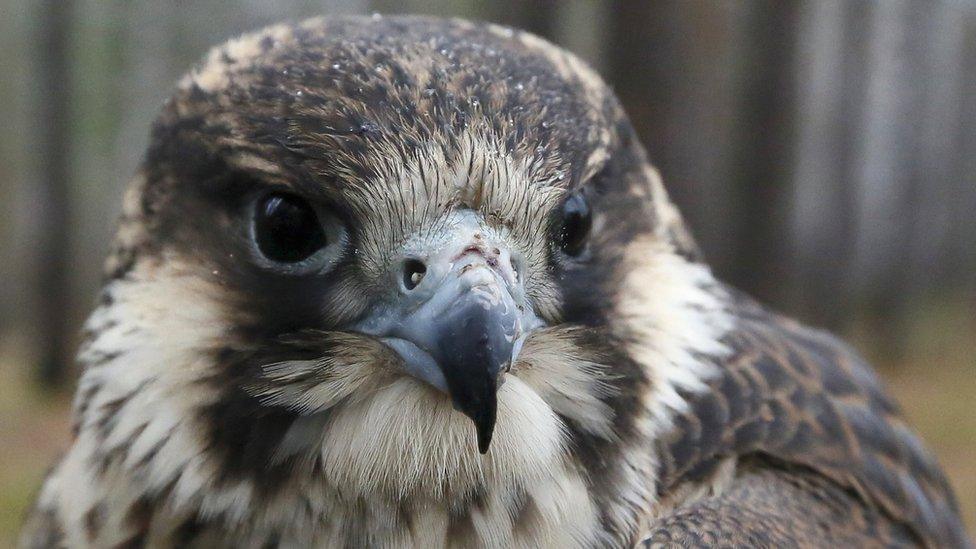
803	397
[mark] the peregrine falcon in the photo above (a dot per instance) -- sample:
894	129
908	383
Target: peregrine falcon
400	281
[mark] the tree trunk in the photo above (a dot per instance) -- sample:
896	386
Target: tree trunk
52	283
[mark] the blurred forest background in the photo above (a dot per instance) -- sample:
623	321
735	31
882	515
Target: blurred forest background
823	151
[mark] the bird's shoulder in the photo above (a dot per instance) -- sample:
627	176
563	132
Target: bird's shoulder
800	397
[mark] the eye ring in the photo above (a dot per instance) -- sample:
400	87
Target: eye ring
574	224
290	235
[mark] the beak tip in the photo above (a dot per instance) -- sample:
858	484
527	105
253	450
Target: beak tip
484	422
484	439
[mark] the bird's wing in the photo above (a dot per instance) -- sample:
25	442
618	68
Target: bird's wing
767	507
798	397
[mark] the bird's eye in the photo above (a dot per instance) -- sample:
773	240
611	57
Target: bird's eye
574	225
287	229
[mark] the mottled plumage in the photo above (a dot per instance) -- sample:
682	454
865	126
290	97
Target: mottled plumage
237	393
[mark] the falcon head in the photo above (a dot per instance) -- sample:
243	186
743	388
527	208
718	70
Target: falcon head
396	256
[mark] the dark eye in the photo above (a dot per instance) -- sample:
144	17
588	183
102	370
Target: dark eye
287	229
574	225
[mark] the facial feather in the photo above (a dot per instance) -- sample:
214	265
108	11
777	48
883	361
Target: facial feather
216	391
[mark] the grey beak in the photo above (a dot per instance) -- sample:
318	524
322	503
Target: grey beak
472	342
468	326
457	328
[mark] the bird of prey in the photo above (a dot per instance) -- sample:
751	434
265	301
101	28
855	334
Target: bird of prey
399	281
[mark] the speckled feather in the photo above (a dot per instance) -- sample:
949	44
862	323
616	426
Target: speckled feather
803	399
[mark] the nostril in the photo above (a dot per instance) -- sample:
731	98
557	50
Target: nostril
413	272
517	267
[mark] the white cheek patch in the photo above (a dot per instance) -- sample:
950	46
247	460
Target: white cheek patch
138	396
677	316
673	312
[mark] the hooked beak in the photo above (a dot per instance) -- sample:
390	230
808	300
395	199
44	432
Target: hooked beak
458	322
